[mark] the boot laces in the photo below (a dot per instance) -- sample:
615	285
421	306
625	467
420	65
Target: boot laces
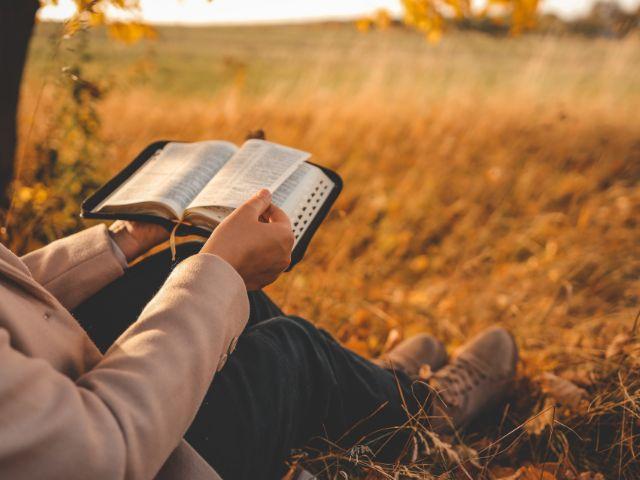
462	376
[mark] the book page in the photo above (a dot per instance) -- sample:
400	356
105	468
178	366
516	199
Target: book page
288	195
258	164
302	195
174	175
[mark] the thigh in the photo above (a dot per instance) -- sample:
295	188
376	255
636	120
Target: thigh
253	412
262	308
110	311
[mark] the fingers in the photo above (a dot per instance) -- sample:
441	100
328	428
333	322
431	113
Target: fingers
277	215
279	221
258	204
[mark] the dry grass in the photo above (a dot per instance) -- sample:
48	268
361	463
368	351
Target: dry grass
460	211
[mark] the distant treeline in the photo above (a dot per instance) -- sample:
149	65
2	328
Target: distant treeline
605	19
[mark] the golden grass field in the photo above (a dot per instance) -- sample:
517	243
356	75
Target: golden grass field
487	181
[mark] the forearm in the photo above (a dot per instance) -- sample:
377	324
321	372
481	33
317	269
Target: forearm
158	371
76	267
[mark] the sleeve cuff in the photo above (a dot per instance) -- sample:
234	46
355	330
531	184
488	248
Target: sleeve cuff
211	281
117	251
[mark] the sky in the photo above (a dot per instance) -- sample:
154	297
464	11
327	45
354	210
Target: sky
258	11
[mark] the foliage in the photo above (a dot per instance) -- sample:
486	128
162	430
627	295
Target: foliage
427	16
499	17
431	16
381	19
62	166
93	13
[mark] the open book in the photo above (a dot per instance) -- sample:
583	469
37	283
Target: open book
198	184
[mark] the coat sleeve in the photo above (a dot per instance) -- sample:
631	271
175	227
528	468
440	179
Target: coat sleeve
76	267
123	418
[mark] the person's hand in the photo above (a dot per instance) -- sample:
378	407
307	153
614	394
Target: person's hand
136	238
256	240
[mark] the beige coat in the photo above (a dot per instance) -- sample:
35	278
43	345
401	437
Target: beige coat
66	411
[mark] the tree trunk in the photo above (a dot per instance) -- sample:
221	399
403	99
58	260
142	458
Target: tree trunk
17	19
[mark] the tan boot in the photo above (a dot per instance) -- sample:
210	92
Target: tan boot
477	379
411	354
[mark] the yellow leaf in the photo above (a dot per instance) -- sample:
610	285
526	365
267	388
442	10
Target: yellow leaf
25	194
393	338
363	25
96	19
434	36
419	264
543	419
563	391
382	19
131	32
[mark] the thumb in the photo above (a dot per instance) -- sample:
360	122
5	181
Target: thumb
277	215
258	204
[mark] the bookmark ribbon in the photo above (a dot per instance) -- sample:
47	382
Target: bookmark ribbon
172	239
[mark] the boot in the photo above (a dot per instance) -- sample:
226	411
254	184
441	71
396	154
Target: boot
477	379
413	353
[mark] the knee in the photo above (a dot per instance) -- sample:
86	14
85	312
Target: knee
294	328
299	343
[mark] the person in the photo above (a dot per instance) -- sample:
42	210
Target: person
189	371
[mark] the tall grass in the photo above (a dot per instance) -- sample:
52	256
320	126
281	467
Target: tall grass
487	182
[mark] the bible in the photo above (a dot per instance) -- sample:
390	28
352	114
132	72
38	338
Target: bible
194	186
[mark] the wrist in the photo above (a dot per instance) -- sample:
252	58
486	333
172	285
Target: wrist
224	253
126	242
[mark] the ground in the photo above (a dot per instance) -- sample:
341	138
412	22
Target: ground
487	181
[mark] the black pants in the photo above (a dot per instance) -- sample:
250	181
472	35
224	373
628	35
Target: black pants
288	385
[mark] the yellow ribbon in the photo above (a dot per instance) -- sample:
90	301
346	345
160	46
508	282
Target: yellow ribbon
172	238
